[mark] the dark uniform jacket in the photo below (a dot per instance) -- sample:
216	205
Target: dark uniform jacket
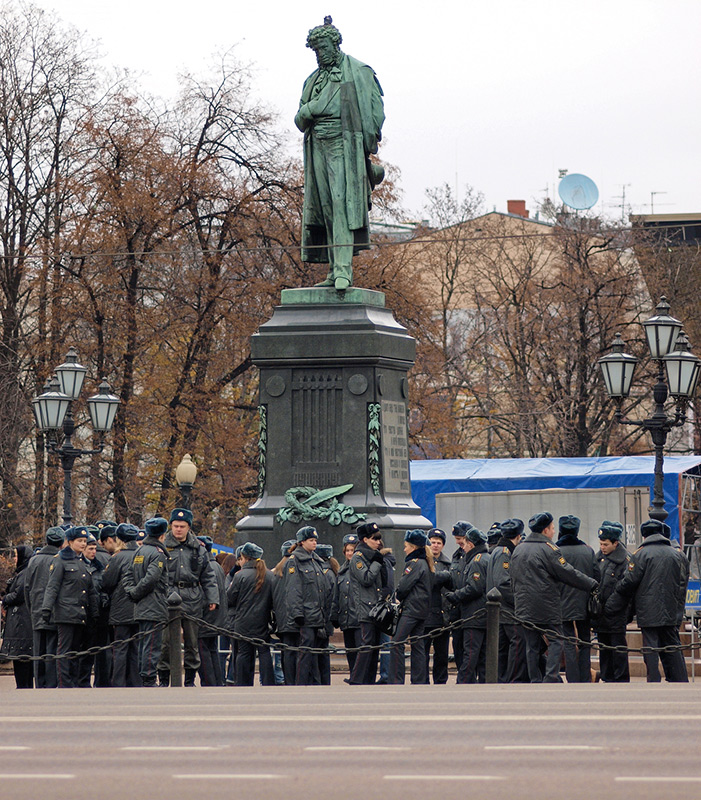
499	573
189	573
538	569
121	605
455	567
217	616
581	557
440	586
17	637
414	586
309	595
146	582
70	596
96	568
252	610
283	622
470	585
365	581
611	569
347	618
35	585
657	576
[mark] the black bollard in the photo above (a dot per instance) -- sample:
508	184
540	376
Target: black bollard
175	607
493	613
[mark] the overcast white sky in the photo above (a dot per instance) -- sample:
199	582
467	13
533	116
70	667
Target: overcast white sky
497	94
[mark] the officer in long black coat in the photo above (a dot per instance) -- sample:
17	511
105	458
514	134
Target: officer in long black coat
656	580
70	601
146	584
574	602
538	570
45	636
125	657
17	636
612	562
512	642
439	612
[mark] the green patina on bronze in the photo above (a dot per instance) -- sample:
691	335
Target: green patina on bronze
374	446
324	295
341	115
262	447
304	503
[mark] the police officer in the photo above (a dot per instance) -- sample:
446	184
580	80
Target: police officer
612	561
365	584
512	643
125	657
287	632
98	633
459	531
575	613
250	594
108	542
656	581
439	612
470	594
70	600
190	575
538	570
322	674
309	600
146	584
347	619
414	594
45	638
210	670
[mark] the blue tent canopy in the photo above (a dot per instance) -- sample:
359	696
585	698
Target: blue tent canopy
429	478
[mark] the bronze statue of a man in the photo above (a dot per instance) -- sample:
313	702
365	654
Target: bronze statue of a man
341	114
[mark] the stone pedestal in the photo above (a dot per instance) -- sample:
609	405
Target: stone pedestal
333	407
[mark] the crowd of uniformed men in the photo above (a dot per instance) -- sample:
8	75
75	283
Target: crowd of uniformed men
107	585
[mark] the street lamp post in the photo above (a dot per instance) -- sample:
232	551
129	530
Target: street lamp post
53	411
185	476
677	376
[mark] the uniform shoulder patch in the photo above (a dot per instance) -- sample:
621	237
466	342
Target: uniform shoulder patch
407	570
476	576
359	564
505	564
51	568
291	570
160	565
631	566
561	560
478	557
138	559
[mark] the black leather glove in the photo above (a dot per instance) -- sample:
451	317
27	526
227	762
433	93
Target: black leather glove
46	615
299	621
452	598
377	556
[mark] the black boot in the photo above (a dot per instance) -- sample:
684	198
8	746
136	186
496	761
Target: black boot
163	677
190	677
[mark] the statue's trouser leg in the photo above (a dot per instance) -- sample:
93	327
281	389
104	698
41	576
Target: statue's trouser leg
330	175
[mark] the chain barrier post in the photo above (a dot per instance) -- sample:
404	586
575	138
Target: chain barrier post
493	614
175	658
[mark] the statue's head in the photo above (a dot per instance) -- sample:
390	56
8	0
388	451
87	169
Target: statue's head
325	41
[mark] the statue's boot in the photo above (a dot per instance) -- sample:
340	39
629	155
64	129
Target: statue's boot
341	284
328	281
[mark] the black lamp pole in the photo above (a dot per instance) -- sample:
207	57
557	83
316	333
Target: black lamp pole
677	375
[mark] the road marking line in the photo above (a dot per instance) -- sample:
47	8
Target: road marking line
173	748
207	776
542	747
354	748
32	776
14	747
362	719
443	778
668	779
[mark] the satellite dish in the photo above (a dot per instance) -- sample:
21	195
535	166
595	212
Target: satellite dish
578	191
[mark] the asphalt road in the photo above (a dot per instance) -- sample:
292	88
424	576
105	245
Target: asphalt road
566	742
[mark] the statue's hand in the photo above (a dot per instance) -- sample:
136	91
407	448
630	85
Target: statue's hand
305	117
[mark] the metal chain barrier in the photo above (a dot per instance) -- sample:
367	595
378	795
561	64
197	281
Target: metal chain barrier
90	651
551	634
